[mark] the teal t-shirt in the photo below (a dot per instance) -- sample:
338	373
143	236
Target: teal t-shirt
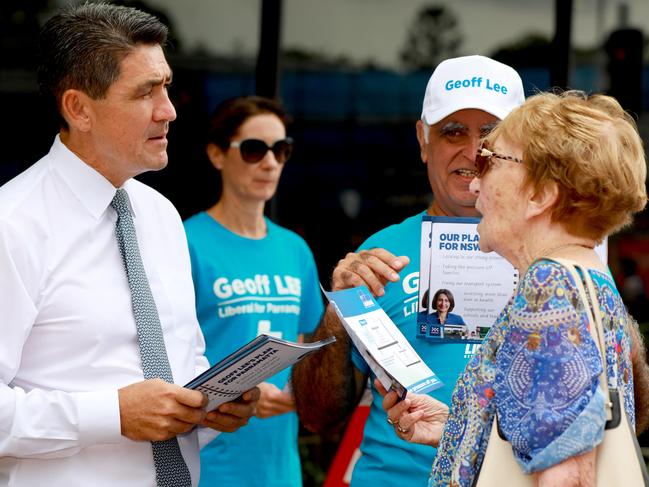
245	287
386	460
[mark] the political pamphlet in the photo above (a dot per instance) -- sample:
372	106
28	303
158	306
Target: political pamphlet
250	365
388	353
476	285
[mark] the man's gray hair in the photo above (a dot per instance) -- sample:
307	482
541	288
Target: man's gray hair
426	128
82	47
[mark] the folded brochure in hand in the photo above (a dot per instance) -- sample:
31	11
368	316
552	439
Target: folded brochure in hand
249	366
387	352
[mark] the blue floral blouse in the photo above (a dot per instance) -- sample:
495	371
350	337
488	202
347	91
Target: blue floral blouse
539	367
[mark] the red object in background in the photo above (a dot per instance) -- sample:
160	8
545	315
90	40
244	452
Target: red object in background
637	250
632	276
340	472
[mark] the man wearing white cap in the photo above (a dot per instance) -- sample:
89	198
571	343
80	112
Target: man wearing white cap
464	99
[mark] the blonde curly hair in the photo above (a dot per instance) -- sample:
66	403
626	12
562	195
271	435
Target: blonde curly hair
590	147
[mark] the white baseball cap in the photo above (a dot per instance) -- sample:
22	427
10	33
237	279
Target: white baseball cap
471	82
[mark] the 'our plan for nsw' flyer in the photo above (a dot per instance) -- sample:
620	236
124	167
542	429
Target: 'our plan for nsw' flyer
388	353
479	284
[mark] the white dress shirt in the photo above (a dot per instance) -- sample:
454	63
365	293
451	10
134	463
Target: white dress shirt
68	338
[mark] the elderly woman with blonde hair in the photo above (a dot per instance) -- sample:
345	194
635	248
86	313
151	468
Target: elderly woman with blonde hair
554	178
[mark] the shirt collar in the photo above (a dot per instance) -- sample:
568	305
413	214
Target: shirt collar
92	189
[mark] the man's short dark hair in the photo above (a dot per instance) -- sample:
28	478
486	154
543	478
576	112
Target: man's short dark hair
82	47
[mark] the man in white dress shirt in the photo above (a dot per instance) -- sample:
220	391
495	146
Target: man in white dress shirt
75	409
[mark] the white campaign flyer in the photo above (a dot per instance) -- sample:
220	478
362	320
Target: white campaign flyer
250	365
477	285
382	345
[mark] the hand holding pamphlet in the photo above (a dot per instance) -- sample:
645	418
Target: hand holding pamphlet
249	366
387	352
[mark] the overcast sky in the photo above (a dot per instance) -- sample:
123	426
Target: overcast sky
376	29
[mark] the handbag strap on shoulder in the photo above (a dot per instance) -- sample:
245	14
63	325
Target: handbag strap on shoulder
586	288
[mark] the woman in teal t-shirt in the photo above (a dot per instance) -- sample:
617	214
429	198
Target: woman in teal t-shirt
251	276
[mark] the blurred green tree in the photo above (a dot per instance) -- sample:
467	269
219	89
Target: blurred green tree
530	50
434	36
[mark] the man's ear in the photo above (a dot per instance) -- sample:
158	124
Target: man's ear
75	109
421	137
543	199
215	154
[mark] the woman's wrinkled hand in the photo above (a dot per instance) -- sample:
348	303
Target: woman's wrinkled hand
417	419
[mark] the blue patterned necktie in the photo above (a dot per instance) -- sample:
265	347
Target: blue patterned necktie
170	467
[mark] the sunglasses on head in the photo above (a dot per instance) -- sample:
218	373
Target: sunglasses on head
483	160
254	150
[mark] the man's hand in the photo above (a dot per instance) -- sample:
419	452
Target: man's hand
373	268
231	416
418	418
154	410
273	401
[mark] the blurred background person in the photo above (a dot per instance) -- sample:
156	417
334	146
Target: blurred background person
251	276
540	174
